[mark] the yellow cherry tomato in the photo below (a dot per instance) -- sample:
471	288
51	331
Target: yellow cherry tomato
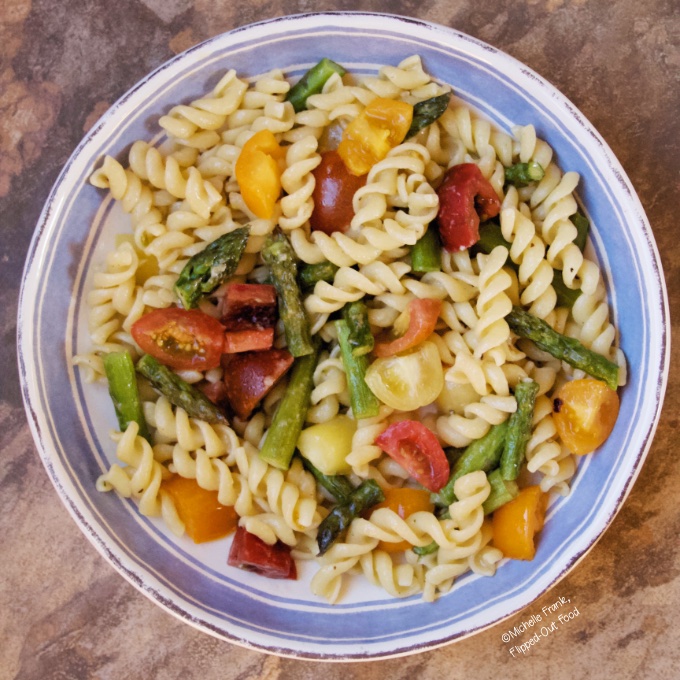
516	523
258	173
407	381
369	137
584	413
327	445
204	517
404	502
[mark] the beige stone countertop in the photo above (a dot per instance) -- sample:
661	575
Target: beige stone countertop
65	612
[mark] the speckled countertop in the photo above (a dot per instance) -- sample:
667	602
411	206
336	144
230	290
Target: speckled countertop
65	612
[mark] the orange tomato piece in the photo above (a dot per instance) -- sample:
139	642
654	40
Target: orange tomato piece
404	502
516	523
204	517
584	413
258	173
369	137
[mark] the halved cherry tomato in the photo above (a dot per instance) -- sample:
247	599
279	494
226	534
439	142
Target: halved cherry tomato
248	341
516	523
249	376
252	554
180	338
419	319
258	173
404	502
204	517
249	306
584	413
465	199
333	193
418	451
369	137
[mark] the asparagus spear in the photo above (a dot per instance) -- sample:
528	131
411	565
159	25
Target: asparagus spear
426	254
310	274
365	496
502	491
426	112
482	454
312	83
179	392
206	270
426	549
122	379
280	258
582	227
522	174
360	337
279	444
519	430
337	485
562	347
364	403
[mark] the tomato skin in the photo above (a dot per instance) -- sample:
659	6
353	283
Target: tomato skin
404	502
516	523
333	194
249	306
465	199
584	413
249	376
423	315
248	341
252	554
204	517
418	451
180	338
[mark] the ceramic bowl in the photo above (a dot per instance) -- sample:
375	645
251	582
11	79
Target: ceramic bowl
71	420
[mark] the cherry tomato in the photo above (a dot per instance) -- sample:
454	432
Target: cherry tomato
407	381
404	502
258	173
249	376
584	413
204	517
249	306
333	193
248	341
180	338
516	523
369	137
418	451
253	554
420	318
465	199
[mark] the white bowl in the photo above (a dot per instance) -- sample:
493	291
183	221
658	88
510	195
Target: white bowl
70	421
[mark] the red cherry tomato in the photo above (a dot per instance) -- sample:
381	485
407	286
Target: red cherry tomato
422	318
418	451
333	193
180	338
465	199
249	306
248	341
253	554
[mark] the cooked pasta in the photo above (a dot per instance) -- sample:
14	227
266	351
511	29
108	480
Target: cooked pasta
189	192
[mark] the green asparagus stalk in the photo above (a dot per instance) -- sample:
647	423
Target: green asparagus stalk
426	112
519	430
483	454
312	82
360	337
281	440
310	274
206	270
522	174
562	347
122	379
582	227
364	403
338	486
502	492
426	254
179	392
365	496
280	258
426	549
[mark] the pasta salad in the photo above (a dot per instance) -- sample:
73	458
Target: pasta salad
352	323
